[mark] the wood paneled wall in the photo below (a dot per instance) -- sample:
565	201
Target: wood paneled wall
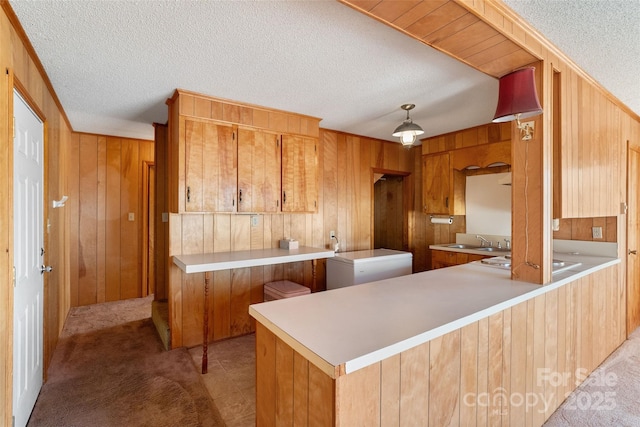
581	229
512	368
592	151
21	66
105	183
345	173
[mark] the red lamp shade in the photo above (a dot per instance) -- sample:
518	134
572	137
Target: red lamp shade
517	96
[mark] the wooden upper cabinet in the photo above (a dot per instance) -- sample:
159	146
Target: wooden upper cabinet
211	166
589	150
226	156
299	174
444	177
259	178
482	156
442	187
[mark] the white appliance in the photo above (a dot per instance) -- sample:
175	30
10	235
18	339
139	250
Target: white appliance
354	268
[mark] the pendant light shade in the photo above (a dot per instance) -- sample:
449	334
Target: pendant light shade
517	96
407	131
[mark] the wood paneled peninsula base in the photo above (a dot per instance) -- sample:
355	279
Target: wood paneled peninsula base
453	346
207	263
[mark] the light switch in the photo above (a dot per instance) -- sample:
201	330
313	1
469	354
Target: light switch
165	216
254	220
132	216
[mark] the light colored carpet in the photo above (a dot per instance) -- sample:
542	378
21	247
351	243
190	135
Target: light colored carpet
610	396
110	370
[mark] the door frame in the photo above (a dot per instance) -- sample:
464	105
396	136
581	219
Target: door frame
147	209
406	200
630	286
14	84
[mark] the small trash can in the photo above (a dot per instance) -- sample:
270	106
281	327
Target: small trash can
283	289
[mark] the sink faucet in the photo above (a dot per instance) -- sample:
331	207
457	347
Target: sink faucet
483	241
508	242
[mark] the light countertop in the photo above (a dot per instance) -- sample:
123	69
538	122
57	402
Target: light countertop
200	263
346	329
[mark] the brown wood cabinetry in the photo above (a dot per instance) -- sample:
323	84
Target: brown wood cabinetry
259	168
228	157
441	259
444	176
443	187
211	166
299	174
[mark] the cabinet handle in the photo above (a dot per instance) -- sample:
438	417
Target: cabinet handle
446	202
240	196
188	194
633	252
284	197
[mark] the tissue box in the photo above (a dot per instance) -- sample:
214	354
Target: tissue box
288	244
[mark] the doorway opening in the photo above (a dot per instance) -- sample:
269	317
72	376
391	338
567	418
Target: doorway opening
390	229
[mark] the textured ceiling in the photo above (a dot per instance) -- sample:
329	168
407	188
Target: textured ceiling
114	63
601	36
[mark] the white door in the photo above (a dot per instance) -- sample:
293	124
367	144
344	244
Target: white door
28	244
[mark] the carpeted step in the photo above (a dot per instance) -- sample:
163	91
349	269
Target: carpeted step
160	316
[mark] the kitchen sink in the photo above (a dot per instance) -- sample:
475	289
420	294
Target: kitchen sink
492	249
463	246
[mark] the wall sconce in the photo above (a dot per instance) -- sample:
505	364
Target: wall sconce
408	130
518	99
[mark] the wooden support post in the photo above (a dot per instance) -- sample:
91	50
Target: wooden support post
314	264
205	323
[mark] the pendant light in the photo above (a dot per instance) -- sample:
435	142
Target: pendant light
408	130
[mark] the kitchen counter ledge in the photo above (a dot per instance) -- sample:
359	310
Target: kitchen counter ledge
346	329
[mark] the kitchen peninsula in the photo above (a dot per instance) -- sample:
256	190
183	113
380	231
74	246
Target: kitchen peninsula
422	348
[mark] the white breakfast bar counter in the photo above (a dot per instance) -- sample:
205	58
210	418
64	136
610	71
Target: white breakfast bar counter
346	329
209	262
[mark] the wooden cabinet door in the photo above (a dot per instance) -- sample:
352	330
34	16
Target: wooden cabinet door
211	167
259	173
299	174
436	183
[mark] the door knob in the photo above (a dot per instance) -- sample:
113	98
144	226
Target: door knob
633	252
45	269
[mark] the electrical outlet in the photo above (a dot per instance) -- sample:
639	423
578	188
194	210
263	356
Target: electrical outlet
332	234
254	220
526	131
596	232
132	216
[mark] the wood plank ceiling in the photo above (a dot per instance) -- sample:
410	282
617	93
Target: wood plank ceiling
452	29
